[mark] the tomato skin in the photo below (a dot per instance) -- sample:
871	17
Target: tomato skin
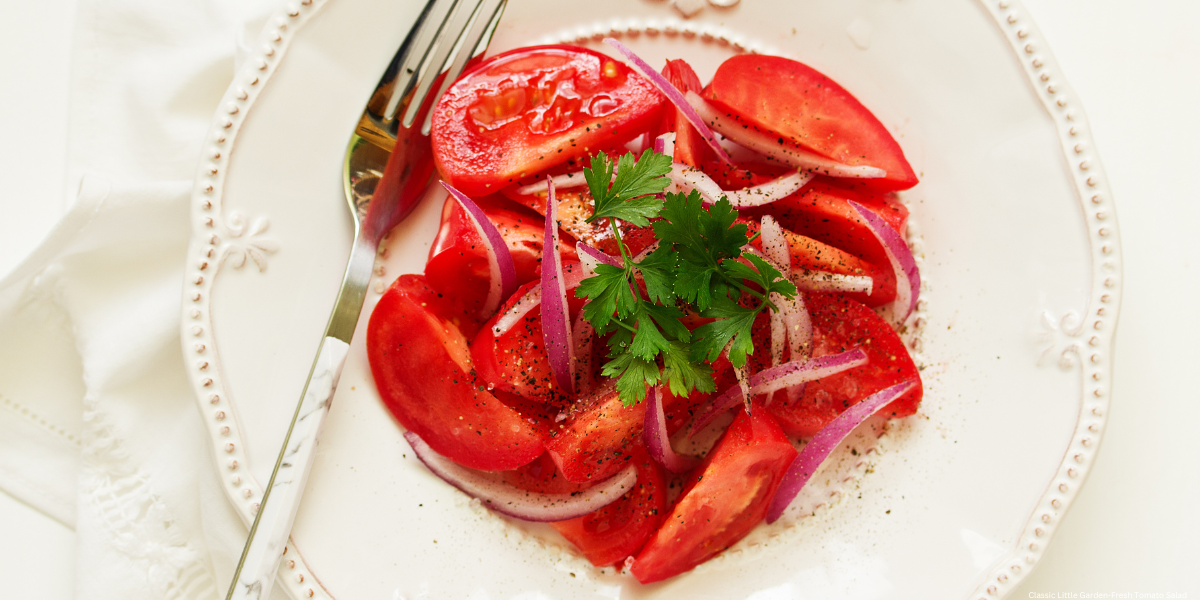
422	369
458	264
808	109
822	211
620	529
723	499
841	324
494	124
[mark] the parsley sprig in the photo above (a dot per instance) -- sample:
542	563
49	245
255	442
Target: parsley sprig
694	270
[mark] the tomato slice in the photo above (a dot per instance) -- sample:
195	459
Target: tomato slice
822	211
808	254
841	324
516	362
526	110
458	263
609	535
596	438
795	101
422	368
575	206
690	148
723	500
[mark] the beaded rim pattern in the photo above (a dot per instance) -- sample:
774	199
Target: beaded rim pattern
219	238
1087	337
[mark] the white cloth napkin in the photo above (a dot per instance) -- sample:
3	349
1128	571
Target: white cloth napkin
98	428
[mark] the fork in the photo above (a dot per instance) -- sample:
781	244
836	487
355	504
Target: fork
388	166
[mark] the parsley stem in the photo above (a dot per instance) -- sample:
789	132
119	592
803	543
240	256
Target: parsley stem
741	286
620	243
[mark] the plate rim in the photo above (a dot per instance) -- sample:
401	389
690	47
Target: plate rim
1089	337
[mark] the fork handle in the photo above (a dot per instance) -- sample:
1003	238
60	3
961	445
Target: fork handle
272	524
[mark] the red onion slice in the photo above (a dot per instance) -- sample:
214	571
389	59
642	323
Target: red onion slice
688	178
565	181
673	94
908	278
770	147
522	504
794	315
777	378
502	271
820	281
589	257
826	440
556	320
665	144
658	443
519	309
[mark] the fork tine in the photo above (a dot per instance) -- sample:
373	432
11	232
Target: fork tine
448	40
474	44
431	28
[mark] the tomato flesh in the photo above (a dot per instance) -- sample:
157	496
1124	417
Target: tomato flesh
808	109
524	111
723	499
841	324
422	369
458	262
609	535
690	148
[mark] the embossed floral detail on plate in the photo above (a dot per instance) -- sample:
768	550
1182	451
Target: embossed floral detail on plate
243	240
1061	336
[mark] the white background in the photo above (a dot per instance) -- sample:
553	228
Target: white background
1135	67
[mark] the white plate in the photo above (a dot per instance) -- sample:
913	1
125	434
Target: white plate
1020	265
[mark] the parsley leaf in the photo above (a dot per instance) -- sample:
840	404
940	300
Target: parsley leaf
631	195
609	293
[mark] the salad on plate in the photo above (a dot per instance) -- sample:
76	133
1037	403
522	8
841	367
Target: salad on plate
654	305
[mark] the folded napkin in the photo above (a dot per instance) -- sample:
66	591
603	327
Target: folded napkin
98	427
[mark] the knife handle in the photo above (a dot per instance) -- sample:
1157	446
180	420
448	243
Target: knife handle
273	524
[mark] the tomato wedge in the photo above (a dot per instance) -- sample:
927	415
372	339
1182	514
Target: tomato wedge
723	500
516	361
806	108
810	255
690	148
458	264
575	206
422	369
822	211
524	111
609	535
596	438
841	324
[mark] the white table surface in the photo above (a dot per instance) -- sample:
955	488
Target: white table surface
1136	69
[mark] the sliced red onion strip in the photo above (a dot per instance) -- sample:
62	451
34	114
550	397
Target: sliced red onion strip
826	440
556	320
673	94
565	181
908	278
688	178
793	314
646	252
743	385
502	271
638	144
519	309
590	257
777	378
658	443
770	146
522	504
665	144
820	281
